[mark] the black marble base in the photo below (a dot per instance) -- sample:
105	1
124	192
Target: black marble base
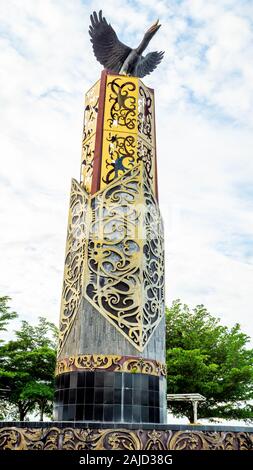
110	396
131	426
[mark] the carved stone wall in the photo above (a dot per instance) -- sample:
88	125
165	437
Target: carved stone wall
73	438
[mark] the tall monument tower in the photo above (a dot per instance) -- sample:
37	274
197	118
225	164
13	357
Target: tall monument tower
111	357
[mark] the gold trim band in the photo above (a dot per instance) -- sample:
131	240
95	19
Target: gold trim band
114	363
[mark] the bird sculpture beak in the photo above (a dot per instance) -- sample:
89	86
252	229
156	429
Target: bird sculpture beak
154	27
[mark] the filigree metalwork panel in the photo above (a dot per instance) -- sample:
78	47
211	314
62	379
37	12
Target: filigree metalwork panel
74	259
91	111
69	438
91	362
88	148
89	135
119	155
146	122
115	255
146	154
121	105
153	262
128	129
123	252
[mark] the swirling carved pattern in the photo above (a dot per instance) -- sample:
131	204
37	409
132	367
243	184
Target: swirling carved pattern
145	113
122	101
87	163
14	438
68	438
119	155
91	111
74	260
115	255
91	362
146	154
125	256
144	366
153	259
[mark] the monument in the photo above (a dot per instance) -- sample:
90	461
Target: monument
111	374
111	358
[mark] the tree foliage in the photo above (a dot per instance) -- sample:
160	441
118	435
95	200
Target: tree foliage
27	366
206	357
5	313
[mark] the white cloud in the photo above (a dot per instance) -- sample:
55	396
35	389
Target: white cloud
204	98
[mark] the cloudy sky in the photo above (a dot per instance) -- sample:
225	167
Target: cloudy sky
204	103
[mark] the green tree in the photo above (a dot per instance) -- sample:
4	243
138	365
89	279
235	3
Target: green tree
206	357
5	313
27	367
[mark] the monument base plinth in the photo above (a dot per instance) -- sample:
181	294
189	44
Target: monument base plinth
116	436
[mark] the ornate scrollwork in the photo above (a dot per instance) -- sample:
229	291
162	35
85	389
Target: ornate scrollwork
123	103
146	154
91	111
87	163
115	255
91	362
14	438
120	155
153	259
69	438
145	113
74	260
144	366
125	254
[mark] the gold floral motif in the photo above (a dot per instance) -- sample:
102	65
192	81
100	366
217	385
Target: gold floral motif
155	441
114	363
52	438
144	366
74	260
14	438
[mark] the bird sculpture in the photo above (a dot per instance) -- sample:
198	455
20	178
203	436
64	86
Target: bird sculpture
116	56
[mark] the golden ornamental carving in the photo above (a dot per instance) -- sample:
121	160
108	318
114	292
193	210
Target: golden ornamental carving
125	253
146	110
91	111
115	363
88	149
69	438
74	260
128	129
121	103
153	263
89	135
115	255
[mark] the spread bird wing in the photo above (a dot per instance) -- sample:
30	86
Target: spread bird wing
147	64
109	51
